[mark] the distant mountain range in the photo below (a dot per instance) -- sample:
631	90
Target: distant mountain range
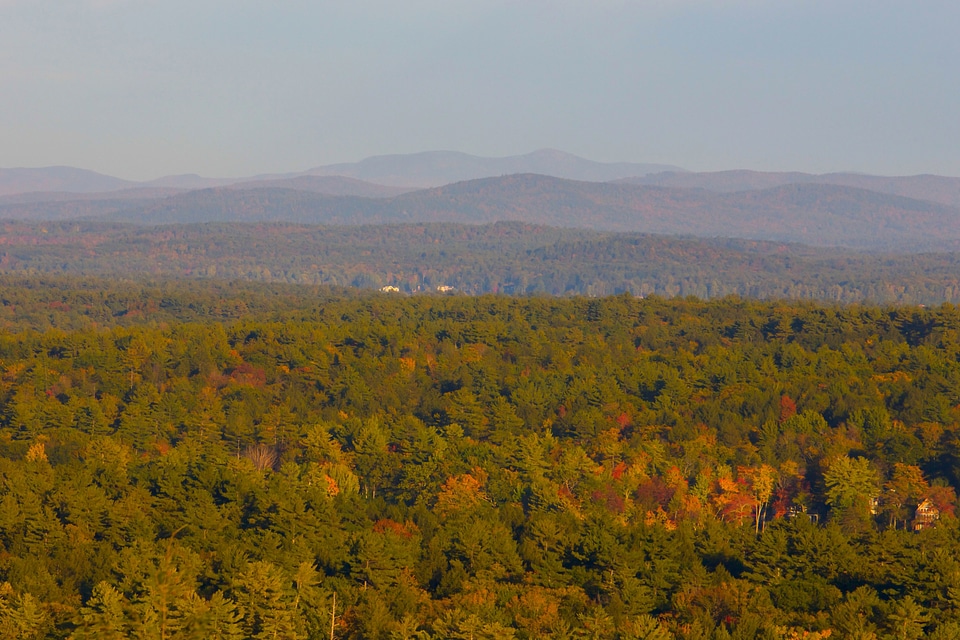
438	168
815	214
410	171
918	213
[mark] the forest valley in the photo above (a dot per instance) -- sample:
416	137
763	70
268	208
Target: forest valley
213	460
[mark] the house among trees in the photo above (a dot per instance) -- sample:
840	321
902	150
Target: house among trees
797	511
927	514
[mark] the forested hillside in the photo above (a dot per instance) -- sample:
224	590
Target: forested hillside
202	460
510	258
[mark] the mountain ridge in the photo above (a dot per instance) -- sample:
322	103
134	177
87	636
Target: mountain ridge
436	168
58	178
820	215
415	170
940	189
799	211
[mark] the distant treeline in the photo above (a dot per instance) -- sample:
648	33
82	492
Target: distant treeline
505	257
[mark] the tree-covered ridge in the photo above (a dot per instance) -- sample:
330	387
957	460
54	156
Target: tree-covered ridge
506	257
485	467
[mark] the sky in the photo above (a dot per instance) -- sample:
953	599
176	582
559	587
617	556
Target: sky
144	88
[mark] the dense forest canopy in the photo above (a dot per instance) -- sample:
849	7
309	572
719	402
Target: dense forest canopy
202	460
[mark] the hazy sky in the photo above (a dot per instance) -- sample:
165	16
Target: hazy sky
142	88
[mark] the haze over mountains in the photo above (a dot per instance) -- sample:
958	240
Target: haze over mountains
437	168
67	179
923	187
410	171
915	213
329	185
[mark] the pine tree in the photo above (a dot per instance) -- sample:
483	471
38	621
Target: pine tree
213	619
104	617
266	603
21	617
